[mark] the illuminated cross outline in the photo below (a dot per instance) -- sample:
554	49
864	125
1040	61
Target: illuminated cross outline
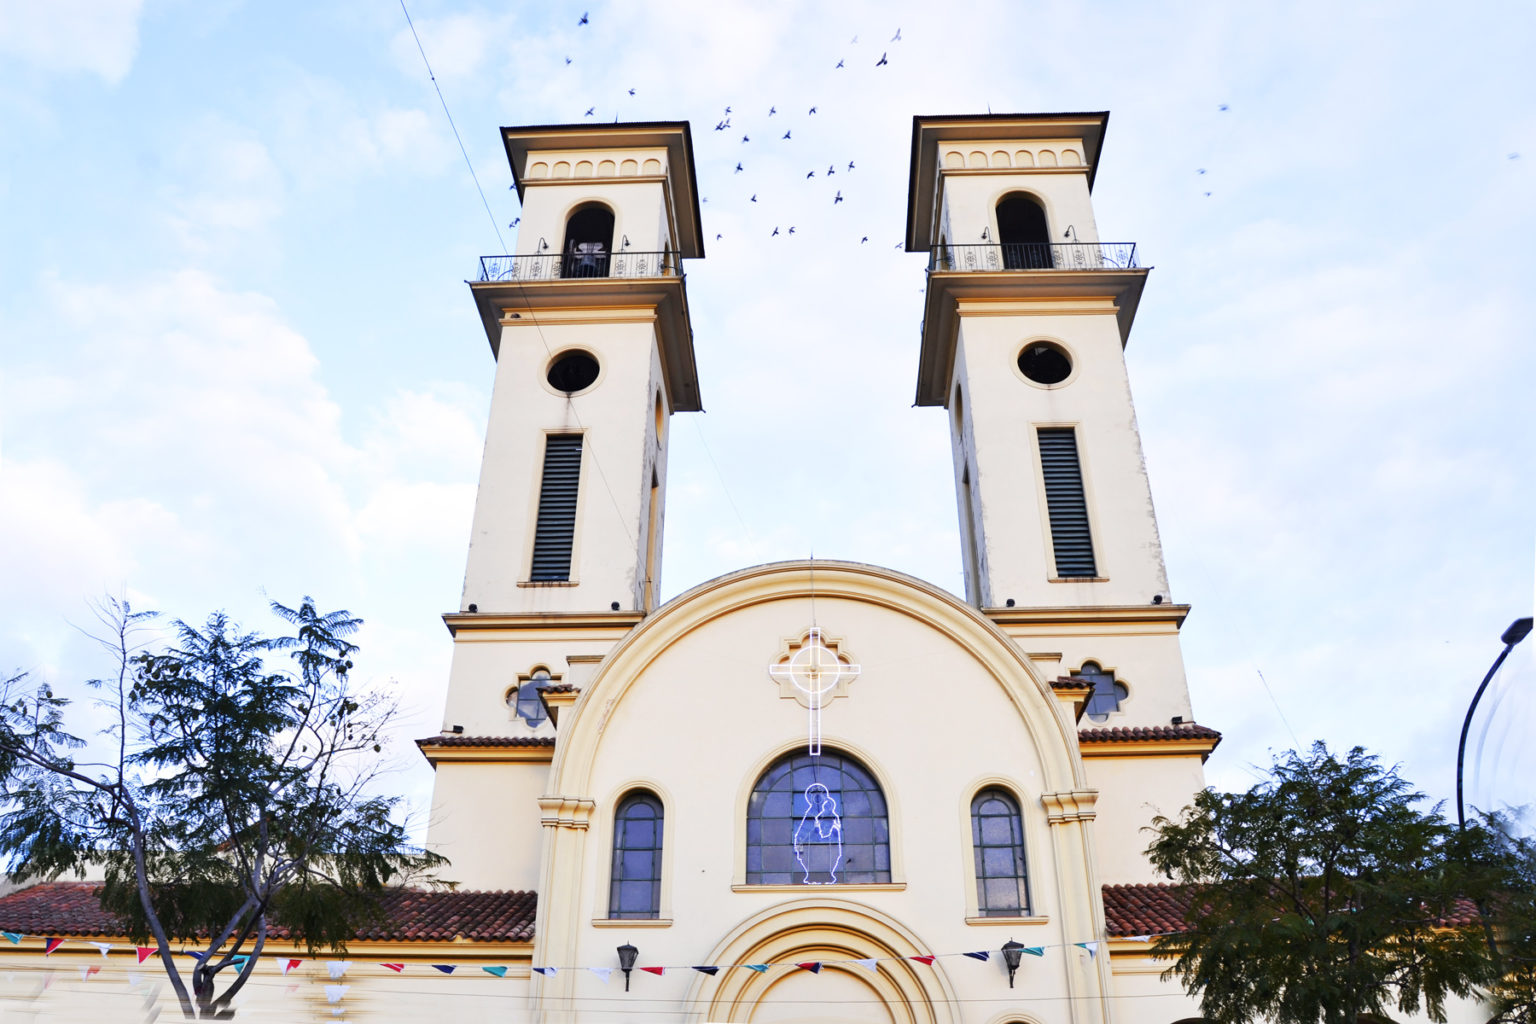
815	671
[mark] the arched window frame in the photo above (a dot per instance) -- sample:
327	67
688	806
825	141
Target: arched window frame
657	912
874	769
595	264
1119	688
1045	210
975	914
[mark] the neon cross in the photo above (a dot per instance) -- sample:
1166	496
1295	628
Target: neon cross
816	672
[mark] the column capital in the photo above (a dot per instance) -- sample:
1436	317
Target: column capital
566	811
1069	806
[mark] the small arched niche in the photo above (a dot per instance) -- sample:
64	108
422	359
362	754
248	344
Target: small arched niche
588	241
1022	231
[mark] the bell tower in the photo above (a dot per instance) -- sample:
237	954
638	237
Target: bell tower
588	322
1027	316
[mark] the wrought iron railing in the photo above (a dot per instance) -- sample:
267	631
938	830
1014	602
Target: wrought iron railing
553	266
1034	256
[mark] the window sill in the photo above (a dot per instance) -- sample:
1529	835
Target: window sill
631	922
1063	579
549	583
830	887
1008	920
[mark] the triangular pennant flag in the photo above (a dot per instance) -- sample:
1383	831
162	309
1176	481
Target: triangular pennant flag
49	945
333	993
658	971
711	971
338	969
602	972
759	968
814	966
500	972
871	963
922	959
548	972
145	952
240	961
194	954
289	965
1091	947
979	956
86	972
1139	938
102	946
14	938
448	968
1033	950
397	968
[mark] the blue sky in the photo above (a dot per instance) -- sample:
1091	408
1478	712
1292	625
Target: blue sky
237	354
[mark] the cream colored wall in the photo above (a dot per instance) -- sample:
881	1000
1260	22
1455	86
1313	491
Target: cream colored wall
485	820
615	417
640	207
972	189
1004	410
1133	791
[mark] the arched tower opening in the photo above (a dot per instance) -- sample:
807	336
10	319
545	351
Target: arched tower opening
1022	231
588	241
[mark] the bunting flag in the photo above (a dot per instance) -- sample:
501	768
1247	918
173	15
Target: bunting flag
1091	947
926	960
338	968
397	968
86	972
145	952
759	968
49	945
289	965
14	938
194	954
814	966
1033	950
103	947
500	972
711	971
871	963
658	971
134	979
238	961
448	968
602	972
1139	938
982	956
333	993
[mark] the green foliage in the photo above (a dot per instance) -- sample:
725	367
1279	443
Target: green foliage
1512	914
238	798
1322	894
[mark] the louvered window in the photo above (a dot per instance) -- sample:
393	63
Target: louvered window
556	527
1065	503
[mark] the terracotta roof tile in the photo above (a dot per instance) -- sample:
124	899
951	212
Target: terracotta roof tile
455	740
1159	909
1138	733
412	915
1070	683
561	688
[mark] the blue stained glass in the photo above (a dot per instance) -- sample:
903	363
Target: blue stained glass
817	820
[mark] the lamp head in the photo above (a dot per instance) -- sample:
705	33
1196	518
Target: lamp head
1013	951
627	954
1517	631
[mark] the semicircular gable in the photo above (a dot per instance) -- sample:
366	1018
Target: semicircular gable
972	636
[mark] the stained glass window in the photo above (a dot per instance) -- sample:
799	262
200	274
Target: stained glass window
817	821
634	891
997	838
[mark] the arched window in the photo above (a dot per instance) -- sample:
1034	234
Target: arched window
588	242
997	837
634	891
817	821
1021	229
524	700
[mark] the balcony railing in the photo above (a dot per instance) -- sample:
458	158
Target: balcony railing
553	266
1034	256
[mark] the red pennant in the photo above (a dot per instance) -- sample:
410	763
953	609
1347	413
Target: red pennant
49	945
92	970
928	960
654	970
810	965
290	965
397	968
145	952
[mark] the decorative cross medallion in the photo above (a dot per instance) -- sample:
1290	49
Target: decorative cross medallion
816	671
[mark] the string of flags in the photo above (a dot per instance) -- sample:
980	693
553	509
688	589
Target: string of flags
336	970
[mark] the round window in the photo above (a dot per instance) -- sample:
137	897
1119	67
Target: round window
572	372
1045	363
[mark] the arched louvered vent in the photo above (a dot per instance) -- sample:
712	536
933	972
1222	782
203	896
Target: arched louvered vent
1065	502
556	528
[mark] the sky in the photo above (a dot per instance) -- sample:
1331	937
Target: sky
238	361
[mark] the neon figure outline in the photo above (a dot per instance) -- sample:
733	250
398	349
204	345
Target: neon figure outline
813	832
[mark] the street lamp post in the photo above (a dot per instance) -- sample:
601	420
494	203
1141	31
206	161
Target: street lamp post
1517	631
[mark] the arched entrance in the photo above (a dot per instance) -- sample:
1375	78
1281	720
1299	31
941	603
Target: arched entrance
835	996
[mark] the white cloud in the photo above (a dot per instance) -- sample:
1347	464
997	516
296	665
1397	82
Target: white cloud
100	37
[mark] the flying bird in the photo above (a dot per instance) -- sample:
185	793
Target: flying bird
897	37
567	60
515	222
754	197
583	20
1199	170
839	64
864	239
772	111
738	167
854	40
850	165
631	92
791	229
745	139
775	233
718	237
1207	195
727	111
590	112
813	110
881	61
810	174
722	126
786	135
1222	107
830	170
839	197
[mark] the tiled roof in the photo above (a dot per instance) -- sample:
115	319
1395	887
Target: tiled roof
411	915
1140	733
1159	909
455	740
1070	683
561	688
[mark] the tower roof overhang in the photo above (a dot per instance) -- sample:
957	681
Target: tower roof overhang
673	135
929	131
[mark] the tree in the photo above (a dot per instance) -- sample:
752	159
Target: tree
1323	894
235	797
1512	917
